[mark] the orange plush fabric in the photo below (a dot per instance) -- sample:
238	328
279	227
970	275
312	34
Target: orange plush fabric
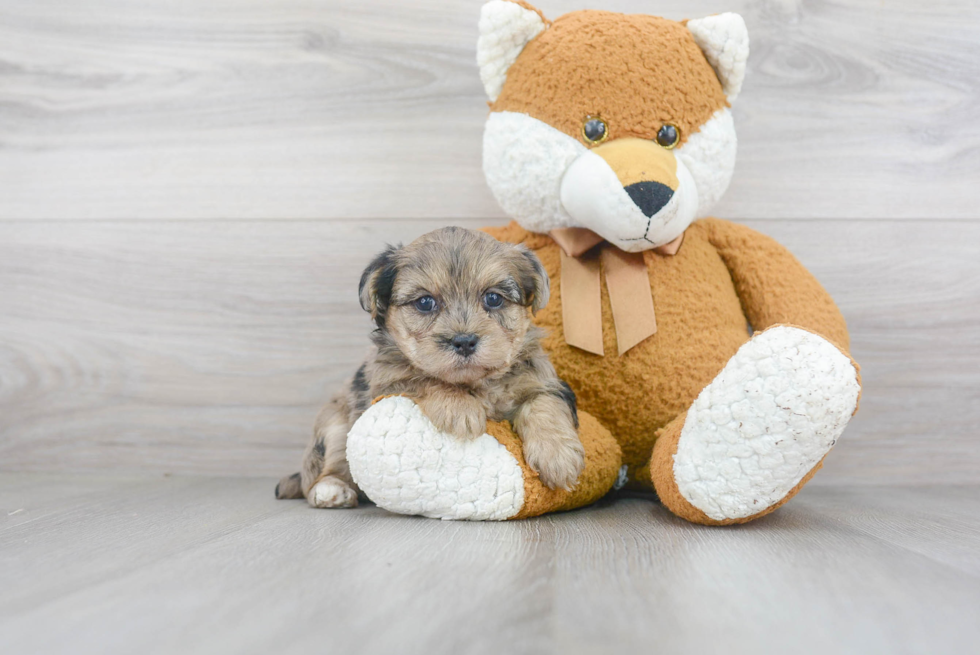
773	286
636	90
704	296
661	471
602	463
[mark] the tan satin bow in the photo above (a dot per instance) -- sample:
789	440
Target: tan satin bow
627	281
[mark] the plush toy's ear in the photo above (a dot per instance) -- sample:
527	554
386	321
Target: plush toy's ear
505	28
725	42
377	281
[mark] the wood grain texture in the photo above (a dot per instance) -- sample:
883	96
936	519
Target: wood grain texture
374	108
165	565
207	347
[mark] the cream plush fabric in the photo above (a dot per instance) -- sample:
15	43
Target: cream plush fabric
770	416
725	42
505	27
407	466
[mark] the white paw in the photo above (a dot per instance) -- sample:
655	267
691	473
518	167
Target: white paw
776	409
328	494
404	464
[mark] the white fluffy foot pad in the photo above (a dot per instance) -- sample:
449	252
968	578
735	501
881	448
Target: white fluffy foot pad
403	463
770	416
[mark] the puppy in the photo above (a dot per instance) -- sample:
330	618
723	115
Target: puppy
454	333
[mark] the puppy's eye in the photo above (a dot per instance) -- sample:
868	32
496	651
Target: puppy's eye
595	130
425	304
492	300
668	136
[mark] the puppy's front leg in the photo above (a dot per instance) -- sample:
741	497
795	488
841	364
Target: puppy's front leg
551	445
455	411
325	477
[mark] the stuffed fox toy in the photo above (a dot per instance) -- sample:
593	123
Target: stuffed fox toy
708	364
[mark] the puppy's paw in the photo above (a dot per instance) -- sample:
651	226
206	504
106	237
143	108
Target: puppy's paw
556	455
331	493
466	419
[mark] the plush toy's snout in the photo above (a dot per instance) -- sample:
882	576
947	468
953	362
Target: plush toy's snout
647	171
633	192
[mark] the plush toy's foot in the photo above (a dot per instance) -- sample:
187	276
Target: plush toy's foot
403	463
759	431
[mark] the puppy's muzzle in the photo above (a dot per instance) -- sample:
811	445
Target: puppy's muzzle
464	344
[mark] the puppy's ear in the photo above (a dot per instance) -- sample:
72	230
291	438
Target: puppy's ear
533	279
377	281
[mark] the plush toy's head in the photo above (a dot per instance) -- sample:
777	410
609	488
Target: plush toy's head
619	124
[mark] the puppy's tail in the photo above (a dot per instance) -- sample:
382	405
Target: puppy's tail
289	487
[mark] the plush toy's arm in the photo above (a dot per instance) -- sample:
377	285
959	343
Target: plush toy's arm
773	285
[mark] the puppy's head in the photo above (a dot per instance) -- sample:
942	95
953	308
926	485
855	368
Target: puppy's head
455	302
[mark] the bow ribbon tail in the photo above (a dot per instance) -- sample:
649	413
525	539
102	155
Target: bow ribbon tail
628	282
581	302
630	296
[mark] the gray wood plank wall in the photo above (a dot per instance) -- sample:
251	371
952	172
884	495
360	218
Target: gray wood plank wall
189	190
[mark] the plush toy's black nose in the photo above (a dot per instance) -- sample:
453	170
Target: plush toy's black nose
465	344
650	197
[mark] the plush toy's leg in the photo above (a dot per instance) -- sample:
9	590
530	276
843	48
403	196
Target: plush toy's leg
603	460
404	464
759	431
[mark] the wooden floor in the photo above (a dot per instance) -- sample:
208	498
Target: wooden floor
203	565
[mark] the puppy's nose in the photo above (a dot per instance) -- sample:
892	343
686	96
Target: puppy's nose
465	344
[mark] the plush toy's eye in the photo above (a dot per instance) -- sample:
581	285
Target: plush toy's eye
595	130
425	304
668	136
492	300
